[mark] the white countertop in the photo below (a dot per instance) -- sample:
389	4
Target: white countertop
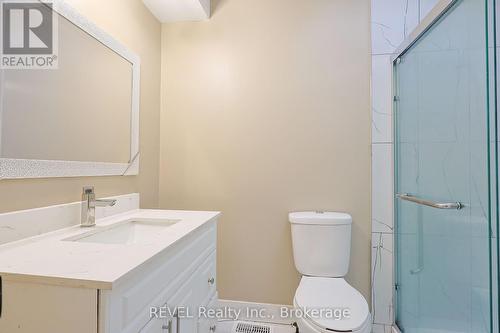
50	259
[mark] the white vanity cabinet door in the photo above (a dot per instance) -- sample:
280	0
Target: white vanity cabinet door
183	304
205	323
165	324
194	293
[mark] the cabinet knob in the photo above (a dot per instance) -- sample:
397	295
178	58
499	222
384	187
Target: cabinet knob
211	280
213	328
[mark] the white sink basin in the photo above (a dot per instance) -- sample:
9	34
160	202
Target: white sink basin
129	232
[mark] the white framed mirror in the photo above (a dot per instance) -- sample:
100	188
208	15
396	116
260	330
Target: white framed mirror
79	119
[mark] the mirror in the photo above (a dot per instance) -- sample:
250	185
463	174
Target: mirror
79	119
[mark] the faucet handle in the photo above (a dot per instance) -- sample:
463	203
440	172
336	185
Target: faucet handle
88	190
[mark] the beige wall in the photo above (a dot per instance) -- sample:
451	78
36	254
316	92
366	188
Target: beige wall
131	23
266	110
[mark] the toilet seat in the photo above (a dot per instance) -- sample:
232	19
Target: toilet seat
332	293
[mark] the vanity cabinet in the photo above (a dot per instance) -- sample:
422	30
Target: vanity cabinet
172	285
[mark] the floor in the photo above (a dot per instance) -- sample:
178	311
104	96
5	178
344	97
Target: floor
377	328
229	327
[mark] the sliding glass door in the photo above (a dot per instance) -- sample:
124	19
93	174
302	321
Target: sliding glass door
445	160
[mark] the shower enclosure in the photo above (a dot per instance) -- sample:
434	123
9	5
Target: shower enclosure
446	172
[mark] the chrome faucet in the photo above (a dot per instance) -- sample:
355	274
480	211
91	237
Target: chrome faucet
89	203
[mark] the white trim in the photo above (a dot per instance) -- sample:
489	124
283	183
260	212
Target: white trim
205	5
273	310
21	168
133	166
2	79
427	22
395	329
25	168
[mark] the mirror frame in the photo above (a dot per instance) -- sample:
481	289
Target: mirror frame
27	168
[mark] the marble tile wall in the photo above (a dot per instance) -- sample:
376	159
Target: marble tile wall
392	22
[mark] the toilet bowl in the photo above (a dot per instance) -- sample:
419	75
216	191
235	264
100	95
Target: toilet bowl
348	308
324	301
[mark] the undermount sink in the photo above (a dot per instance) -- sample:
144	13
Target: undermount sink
129	232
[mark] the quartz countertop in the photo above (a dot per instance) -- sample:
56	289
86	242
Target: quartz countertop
53	258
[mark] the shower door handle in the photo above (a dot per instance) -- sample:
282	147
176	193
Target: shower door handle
433	204
428	203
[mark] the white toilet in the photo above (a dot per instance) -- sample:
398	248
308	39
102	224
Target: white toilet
321	250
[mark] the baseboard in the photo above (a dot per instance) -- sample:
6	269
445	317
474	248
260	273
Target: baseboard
259	312
395	329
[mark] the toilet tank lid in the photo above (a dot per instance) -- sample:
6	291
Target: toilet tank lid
320	218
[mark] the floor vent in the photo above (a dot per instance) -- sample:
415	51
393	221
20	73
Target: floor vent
252	328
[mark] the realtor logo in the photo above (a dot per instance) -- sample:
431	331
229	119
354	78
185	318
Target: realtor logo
28	33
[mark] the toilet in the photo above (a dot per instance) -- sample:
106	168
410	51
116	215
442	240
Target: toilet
324	301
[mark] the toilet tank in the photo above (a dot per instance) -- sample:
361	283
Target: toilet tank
321	243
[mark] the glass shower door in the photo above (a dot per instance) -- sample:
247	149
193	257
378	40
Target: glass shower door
445	207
